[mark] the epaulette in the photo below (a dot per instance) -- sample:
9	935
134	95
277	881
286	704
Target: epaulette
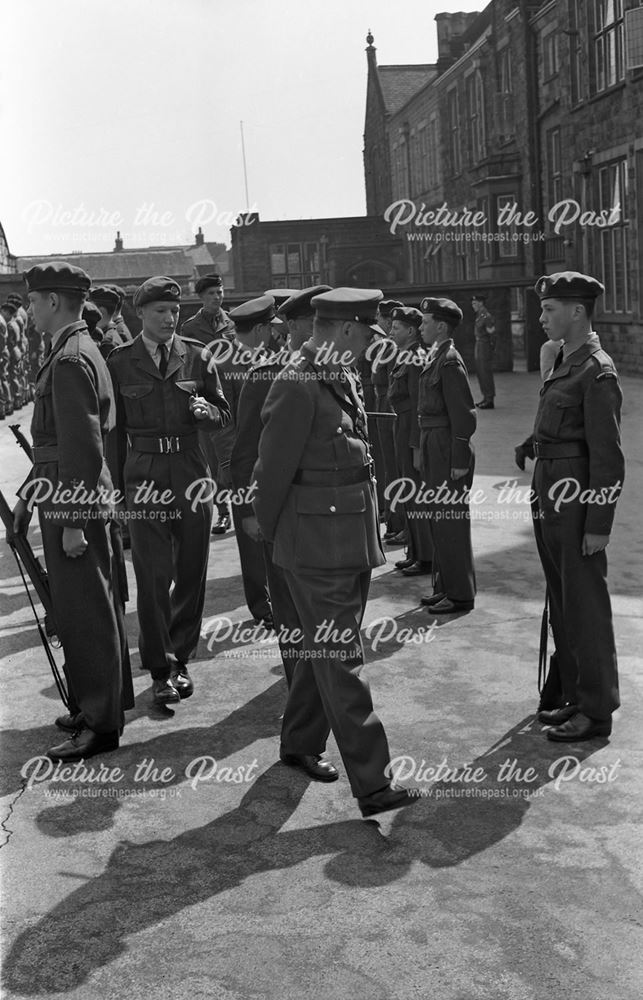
452	356
121	347
191	340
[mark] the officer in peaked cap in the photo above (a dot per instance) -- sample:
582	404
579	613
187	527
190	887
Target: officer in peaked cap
73	412
404	384
108	301
210	322
253	333
577	440
316	505
165	389
447	419
297	312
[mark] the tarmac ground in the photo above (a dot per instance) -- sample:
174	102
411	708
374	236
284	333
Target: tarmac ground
191	863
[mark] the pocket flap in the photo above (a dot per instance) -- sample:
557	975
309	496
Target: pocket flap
135	391
324	500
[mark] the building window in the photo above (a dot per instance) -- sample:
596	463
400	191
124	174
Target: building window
508	243
608	43
613	250
576	23
550	55
506	80
554	168
482	205
453	114
294	265
475	116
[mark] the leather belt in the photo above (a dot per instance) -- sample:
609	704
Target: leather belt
441	421
332	477
45	453
166	444
560	449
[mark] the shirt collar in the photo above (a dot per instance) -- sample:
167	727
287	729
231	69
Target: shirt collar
152	347
592	339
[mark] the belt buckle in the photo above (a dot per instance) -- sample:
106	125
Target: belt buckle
169	445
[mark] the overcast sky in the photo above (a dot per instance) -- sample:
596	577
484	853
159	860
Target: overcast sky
125	113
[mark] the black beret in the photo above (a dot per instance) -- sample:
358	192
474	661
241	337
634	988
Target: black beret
387	306
92	315
259	310
57	276
442	309
357	305
119	291
159	289
299	303
105	295
281	295
408	315
568	285
208	281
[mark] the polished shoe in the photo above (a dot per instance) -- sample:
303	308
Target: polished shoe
312	764
404	563
556	716
580	727
485	405
448	607
83	744
182	681
432	599
392	797
222	525
70	723
396	540
164	692
418	569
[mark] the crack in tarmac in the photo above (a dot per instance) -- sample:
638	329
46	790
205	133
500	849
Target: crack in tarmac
8	832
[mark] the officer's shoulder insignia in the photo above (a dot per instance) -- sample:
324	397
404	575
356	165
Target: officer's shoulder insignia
607	369
122	347
452	356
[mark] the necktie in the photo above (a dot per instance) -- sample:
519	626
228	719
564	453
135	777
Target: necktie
559	360
165	359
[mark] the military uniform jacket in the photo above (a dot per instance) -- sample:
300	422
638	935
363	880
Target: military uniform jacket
445	400
234	371
73	413
110	339
314	422
203	328
149	405
580	402
484	327
403	394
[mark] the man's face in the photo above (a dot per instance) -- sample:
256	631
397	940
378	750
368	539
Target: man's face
159	320
557	317
300	329
431	328
401	332
357	337
476	305
41	306
258	336
384	321
212	298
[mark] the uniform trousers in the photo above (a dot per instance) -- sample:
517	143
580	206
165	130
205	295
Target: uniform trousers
327	690
450	521
384	430
483	354
284	613
253	570
420	546
580	607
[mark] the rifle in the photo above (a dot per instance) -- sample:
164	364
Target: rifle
29	564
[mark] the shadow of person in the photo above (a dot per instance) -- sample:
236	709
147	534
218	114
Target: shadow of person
89	928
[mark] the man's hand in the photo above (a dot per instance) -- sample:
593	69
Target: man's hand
417	465
74	542
199	407
251	527
594	543
458	473
21	518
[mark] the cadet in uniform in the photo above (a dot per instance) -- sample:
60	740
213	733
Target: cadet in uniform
92	316
578	454
316	504
447	419
211	325
297	312
122	328
165	389
73	412
403	396
382	429
253	329
485	337
107	300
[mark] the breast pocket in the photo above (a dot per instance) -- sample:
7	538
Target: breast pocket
137	400
331	528
43	417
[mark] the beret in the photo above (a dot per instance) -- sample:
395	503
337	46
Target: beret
208	281
568	285
119	291
408	315
10	307
92	315
105	295
281	295
57	276
259	310
159	289
387	306
478	298
442	309
299	303
357	305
